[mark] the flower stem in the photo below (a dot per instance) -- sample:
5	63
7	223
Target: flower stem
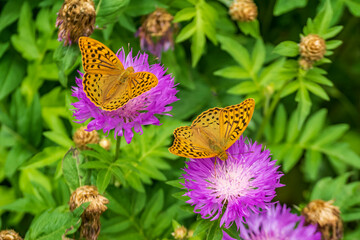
117	150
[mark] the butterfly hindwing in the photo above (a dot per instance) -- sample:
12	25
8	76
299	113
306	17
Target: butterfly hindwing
185	144
234	120
97	58
141	82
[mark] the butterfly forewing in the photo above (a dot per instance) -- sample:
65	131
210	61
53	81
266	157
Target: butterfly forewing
234	120
187	145
97	58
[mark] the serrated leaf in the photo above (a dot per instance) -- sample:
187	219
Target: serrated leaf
287	49
73	174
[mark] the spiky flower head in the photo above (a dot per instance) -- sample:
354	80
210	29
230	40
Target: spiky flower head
9	235
82	137
312	47
234	188
156	32
327	218
76	18
243	10
90	224
136	112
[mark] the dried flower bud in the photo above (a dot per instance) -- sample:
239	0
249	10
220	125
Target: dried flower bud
90	225
180	233
243	10
105	143
82	137
327	218
9	235
305	64
190	233
76	18
312	47
156	32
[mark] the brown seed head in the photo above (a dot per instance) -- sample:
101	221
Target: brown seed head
243	10
9	235
76	18
326	216
105	143
180	233
305	64
82	137
312	47
90	225
158	23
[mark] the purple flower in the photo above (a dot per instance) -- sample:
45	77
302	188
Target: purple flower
277	223
235	188
138	111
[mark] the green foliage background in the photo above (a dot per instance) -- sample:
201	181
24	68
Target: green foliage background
308	119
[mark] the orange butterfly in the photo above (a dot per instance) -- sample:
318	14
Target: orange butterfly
213	131
106	83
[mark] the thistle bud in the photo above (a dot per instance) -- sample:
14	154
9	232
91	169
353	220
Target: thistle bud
82	137
90	225
326	216
9	235
76	18
243	10
105	143
312	47
156	32
180	233
305	64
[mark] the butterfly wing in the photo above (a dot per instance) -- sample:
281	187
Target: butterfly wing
234	120
98	58
141	82
186	144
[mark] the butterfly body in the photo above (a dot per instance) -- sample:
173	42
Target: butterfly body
213	131
106	83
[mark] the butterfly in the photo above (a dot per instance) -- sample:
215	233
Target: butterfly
106	83
213	131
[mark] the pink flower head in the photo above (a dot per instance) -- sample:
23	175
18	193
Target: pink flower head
138	111
277	223
235	188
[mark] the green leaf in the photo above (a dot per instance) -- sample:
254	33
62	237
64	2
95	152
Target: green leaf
153	208
287	49
330	134
197	46
10	13
103	180
43	21
59	138
354	7
13	73
313	161
214	233
313	126
290	88
46	157
332	32
284	6
15	158
244	87
184	14
234	72
3	48
269	73
250	28
186	32
202	227
332	44
292	157
317	90
323	19
176	183
293	130
94	165
304	105
343	153
236	50
316	76
258	56
73	174
279	124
